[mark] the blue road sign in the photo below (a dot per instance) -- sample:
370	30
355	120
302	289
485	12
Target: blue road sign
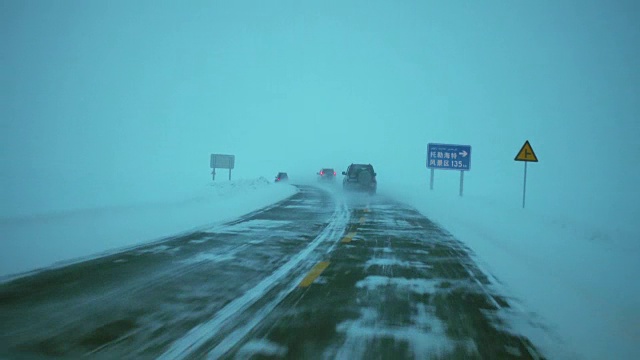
449	157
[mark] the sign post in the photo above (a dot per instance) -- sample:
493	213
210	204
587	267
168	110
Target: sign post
219	161
527	155
449	157
431	182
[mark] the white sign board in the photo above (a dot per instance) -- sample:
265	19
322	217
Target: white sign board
219	161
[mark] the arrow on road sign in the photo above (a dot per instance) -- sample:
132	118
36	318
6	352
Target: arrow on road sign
463	153
526	153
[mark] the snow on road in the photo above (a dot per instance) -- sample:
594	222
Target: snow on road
202	333
45	240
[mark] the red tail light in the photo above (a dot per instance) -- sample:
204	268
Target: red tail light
321	173
334	173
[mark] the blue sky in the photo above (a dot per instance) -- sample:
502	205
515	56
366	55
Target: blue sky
109	102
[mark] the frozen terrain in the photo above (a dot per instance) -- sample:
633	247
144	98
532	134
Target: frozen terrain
33	242
576	278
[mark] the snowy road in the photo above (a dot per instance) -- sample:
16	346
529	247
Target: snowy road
315	276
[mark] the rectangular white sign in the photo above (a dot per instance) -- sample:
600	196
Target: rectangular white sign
219	161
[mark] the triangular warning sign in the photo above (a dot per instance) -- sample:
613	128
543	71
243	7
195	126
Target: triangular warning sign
526	153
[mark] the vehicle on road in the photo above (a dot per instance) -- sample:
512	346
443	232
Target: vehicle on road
282	176
327	174
360	177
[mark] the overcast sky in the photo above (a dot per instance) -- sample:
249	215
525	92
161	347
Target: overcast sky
108	101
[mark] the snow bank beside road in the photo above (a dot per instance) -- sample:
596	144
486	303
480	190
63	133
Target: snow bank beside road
579	279
31	243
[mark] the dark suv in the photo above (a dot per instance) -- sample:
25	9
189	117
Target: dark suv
327	174
282	176
360	177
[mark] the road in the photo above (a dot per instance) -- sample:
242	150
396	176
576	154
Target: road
318	275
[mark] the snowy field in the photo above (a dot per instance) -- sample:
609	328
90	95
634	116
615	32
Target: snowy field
576	280
34	242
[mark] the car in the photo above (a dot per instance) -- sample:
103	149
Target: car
360	177
282	176
327	174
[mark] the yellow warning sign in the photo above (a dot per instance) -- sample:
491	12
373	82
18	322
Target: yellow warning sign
526	153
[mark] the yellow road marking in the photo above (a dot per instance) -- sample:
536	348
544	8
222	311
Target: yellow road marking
314	273
362	220
348	237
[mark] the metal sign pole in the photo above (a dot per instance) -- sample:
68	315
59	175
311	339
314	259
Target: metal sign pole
524	189
431	183
214	174
229	174
461	181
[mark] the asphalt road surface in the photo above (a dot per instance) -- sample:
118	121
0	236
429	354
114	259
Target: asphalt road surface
318	275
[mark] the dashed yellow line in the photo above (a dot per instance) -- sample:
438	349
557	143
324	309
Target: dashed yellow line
348	237
314	273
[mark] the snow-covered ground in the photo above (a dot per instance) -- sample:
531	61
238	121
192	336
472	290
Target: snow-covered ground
577	280
29	243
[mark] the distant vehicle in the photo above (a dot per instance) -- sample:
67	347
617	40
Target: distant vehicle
282	176
360	177
327	174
